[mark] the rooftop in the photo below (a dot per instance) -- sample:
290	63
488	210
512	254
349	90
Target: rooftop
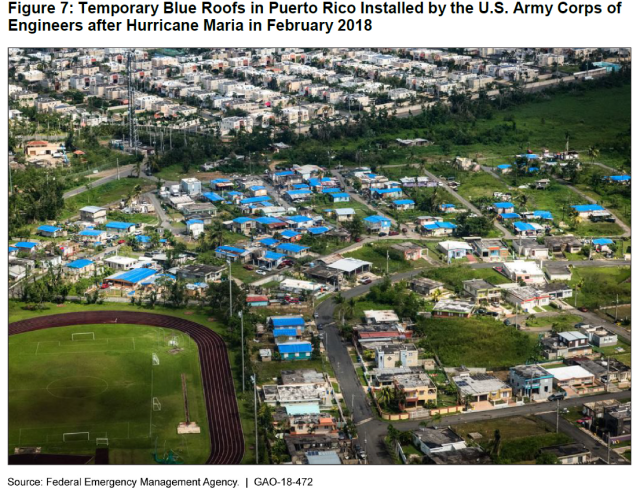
436	437
478	384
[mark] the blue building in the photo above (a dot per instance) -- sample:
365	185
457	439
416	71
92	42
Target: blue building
49	231
295	350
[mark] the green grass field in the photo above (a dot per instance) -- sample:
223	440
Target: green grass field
72	385
102	195
600	285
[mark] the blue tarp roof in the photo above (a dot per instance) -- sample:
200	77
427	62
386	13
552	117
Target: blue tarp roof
280	321
294	347
318	230
194	221
300	218
221	180
301	186
91	232
79	263
232	193
587	208
48	228
299	192
229	249
503	205
134	276
288	233
623	177
270	255
292	248
243	220
376	218
12	249
284	173
331	190
255	199
440	225
504	166
285	332
340	195
268	220
388	190
511	215
404	202
269	241
542	214
602	241
155	278
212	197
257	188
523	226
119	225
25	244
447	205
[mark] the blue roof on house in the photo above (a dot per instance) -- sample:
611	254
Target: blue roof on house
340	195
511	215
81	263
299	192
25	244
531	156
440	225
285	332
318	230
602	241
294	347
623	177
243	220
221	180
143	239
284	173
12	249
119	225
301	186
194	221
504	166
376	218
587	208
532	169
134	276
292	248
255	199
388	190
155	278
300	218
48	228
270	255
269	241
447	205
542	214
212	197
232	193
257	188
331	190
404	202
229	249
523	226
91	232
287	321
288	233
503	205
268	220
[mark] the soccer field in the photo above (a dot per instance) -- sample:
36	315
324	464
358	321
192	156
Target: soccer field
75	388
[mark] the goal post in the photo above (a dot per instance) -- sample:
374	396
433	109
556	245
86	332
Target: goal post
156	405
79	337
75	436
155	360
102	441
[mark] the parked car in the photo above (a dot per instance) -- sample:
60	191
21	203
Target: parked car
104	286
358	239
316	315
382	234
583	309
394	233
367	281
121	241
556	396
261	272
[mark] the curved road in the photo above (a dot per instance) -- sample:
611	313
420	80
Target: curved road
225	430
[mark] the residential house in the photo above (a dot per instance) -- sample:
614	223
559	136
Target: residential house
80	267
340	197
504	207
377	223
396	355
50	231
530	248
120	227
345	214
448	308
527	298
191	186
527	229
438	228
607	371
201	273
532	382
418	389
566	345
524	271
557	271
589	211
425	286
431	440
573	377
295	350
243	225
481	291
195	227
489	249
410	251
404	204
477	388
465	456
561	244
599	336
617	420
568	454
97	215
232	253
292	250
455	249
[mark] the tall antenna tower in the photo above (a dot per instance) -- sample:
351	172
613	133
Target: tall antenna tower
133	128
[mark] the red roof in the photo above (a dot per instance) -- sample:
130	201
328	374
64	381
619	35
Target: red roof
379	334
257	298
38	142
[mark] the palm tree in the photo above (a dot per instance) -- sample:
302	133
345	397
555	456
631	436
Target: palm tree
593	152
340	301
567	134
385	396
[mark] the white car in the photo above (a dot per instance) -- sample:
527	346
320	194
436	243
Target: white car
261	272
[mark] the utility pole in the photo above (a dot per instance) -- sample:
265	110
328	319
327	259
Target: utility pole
242	344
230	298
608	448
387	262
118	167
255	412
616	310
557	416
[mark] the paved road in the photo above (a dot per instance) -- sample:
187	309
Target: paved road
165	220
111	174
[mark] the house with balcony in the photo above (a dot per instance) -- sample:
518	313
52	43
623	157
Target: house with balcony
566	345
530	248
377	223
452	308
531	381
524	271
489	249
477	388
418	389
388	355
438	228
481	291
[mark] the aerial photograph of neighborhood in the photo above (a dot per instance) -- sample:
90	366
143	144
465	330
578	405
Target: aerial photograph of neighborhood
319	256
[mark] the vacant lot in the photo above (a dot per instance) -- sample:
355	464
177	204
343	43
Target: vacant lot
102	195
453	276
598	286
563	321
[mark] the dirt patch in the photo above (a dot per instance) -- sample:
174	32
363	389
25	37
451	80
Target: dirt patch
175	351
188	312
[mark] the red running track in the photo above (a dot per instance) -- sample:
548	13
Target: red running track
225	430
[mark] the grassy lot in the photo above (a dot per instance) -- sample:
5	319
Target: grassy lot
476	342
245	401
600	285
101	387
377	256
453	276
245	276
624	357
567	321
267	371
136	218
480	184
102	195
